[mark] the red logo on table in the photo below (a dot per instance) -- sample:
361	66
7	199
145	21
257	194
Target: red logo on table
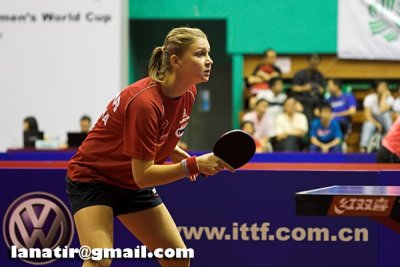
38	220
361	206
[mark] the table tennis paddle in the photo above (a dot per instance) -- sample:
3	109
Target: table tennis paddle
235	147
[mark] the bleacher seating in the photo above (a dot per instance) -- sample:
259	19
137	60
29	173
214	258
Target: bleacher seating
357	76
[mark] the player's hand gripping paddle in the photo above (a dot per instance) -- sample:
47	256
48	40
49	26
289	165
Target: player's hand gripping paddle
235	147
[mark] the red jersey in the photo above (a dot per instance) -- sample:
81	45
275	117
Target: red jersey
392	138
141	123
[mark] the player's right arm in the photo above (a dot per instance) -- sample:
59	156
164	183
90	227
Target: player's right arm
148	174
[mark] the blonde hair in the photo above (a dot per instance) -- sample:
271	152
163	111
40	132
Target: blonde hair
176	43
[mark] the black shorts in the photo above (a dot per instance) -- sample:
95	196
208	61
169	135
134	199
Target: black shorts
121	200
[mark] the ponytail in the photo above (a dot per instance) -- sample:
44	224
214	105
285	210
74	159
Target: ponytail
155	65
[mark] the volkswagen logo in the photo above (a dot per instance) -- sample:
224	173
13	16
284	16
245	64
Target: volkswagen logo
38	220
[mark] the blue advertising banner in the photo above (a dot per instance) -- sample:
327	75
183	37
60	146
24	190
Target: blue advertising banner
65	155
243	219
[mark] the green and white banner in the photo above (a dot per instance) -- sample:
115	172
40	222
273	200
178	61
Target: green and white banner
369	29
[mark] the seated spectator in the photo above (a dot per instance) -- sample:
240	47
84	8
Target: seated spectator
396	104
325	132
248	127
291	127
275	97
30	125
31	132
263	124
343	105
75	139
377	106
86	123
308	87
263	73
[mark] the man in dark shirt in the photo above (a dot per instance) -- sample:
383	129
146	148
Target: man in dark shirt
308	87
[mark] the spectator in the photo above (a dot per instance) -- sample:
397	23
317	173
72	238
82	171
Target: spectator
377	106
343	105
275	97
86	123
389	152
263	124
291	127
308	87
396	104
31	132
31	125
264	72
248	127
325	132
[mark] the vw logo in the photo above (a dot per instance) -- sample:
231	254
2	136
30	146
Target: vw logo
38	220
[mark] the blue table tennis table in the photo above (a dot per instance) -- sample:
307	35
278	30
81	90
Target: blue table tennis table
382	203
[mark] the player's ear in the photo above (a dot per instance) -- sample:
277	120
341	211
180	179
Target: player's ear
175	62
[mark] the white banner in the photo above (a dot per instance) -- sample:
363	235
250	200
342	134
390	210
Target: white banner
59	59
369	29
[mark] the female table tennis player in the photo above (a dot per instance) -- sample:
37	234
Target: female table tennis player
116	168
389	152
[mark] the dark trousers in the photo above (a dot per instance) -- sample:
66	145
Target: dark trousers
291	143
385	156
345	126
308	103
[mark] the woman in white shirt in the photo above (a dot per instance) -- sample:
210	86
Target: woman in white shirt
377	112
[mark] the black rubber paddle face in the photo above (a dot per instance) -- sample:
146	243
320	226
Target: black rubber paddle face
235	147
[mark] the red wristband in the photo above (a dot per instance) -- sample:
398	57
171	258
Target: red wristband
192	166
